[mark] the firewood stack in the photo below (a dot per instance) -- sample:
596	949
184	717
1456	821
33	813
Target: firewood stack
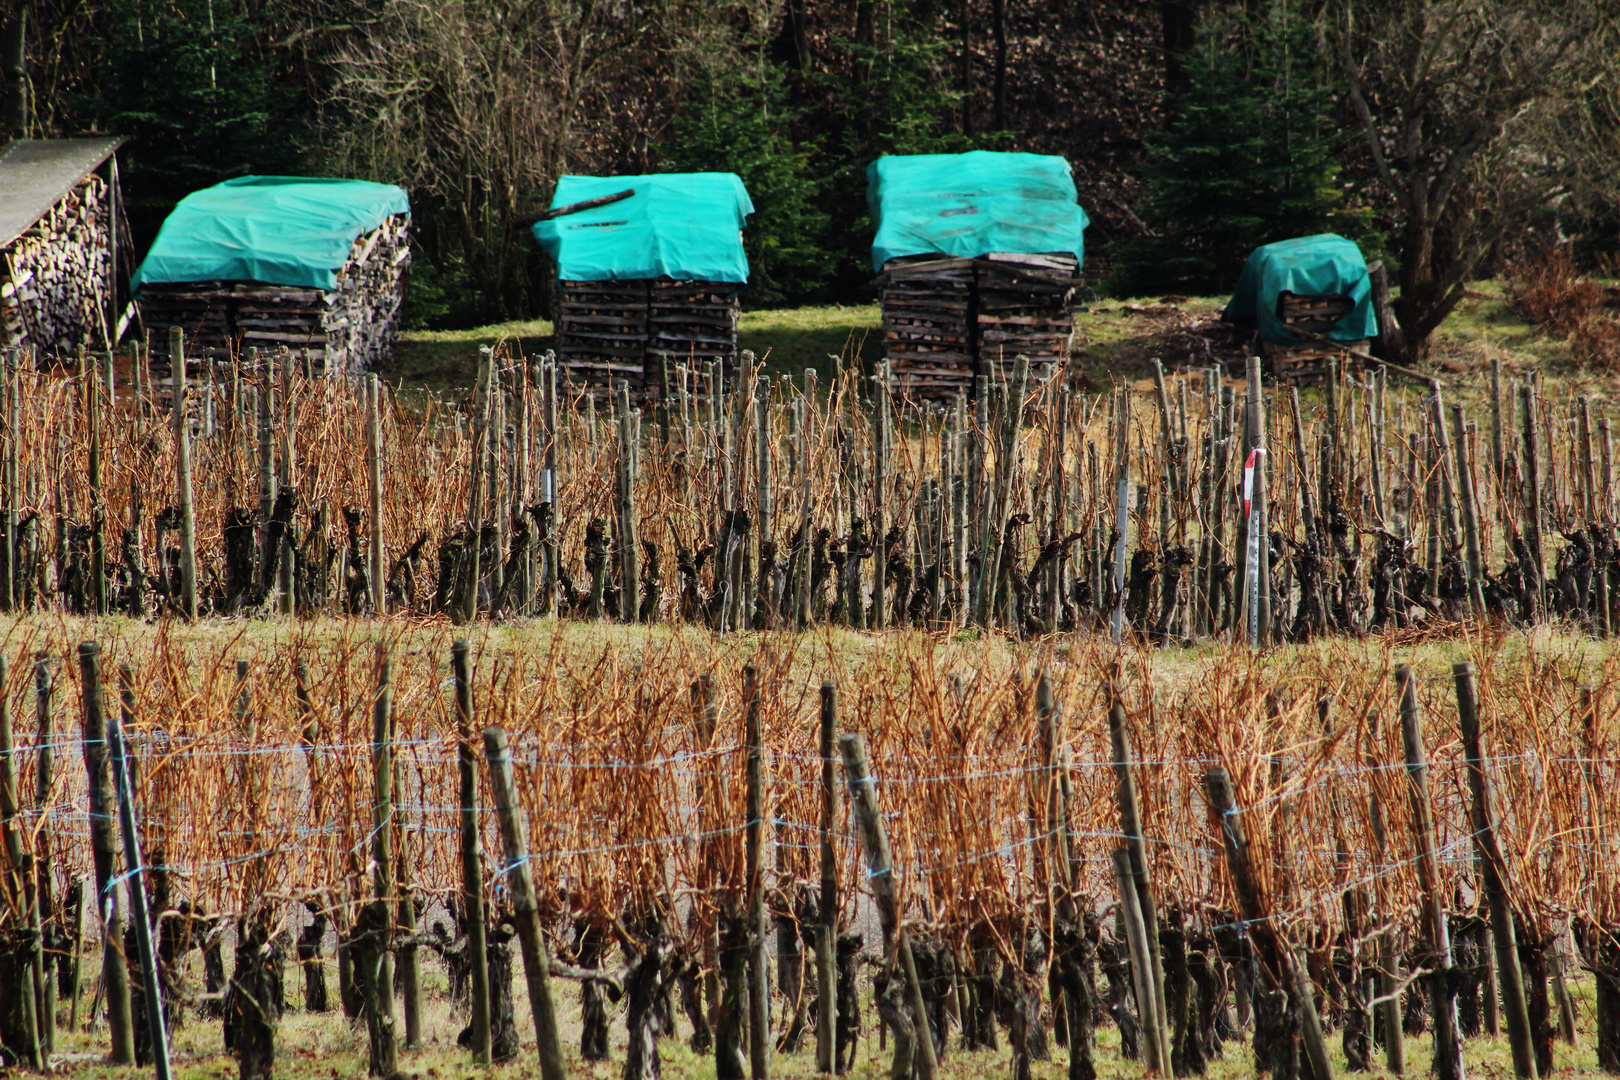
1025	305
1312	314
691	322
611	332
602	331
346	330
947	319
55	276
928	324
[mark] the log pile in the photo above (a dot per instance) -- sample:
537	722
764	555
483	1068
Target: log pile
56	278
947	319
625	331
601	329
347	330
1025	305
1311	317
1312	314
928	324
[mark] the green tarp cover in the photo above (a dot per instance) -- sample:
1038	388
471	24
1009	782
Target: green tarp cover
1324	265
687	226
973	204
281	230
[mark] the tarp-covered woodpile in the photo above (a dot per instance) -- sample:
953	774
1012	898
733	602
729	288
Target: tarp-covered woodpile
648	272
58	244
271	261
1300	291
978	256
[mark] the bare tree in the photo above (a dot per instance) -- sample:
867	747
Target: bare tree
1476	114
480	106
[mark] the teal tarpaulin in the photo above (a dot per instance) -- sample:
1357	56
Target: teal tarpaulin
1325	265
973	204
281	230
686	226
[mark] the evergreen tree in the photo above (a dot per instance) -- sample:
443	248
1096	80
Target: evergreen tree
1249	158
746	126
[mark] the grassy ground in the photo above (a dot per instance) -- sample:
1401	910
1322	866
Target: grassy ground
1115	338
319	1046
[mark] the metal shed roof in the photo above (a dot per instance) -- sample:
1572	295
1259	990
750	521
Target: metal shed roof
36	173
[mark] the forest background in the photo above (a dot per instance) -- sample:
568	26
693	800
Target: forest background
1447	137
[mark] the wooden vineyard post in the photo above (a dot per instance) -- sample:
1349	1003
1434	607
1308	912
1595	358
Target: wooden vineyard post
863	796
880	508
182	458
375	971
1493	872
104	851
264	408
627	465
21	885
1388	1009
1130	825
1147	1012
764	516
465	605
287	584
122	782
1470	509
98	502
802	612
520	880
759	986
472	875
1122	512
827	923
1442	460
548	488
1257	577
374	451
1531	498
44	689
1448	1063
1276	955
407	962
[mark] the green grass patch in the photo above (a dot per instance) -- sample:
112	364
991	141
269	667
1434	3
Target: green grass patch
792	339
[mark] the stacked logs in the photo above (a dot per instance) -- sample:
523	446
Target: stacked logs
628	331
1025	305
346	330
56	278
946	319
928	323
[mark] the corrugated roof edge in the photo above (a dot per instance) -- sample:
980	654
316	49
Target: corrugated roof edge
36	173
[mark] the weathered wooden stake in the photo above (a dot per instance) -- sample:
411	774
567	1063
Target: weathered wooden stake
827	923
374	452
182	457
759	986
104	851
863	795
520	880
1130	826
472	875
1493	871
1448	1062
1276	953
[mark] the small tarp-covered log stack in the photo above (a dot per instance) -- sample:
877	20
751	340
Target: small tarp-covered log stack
58	244
648	273
1309	298
978	256
271	261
